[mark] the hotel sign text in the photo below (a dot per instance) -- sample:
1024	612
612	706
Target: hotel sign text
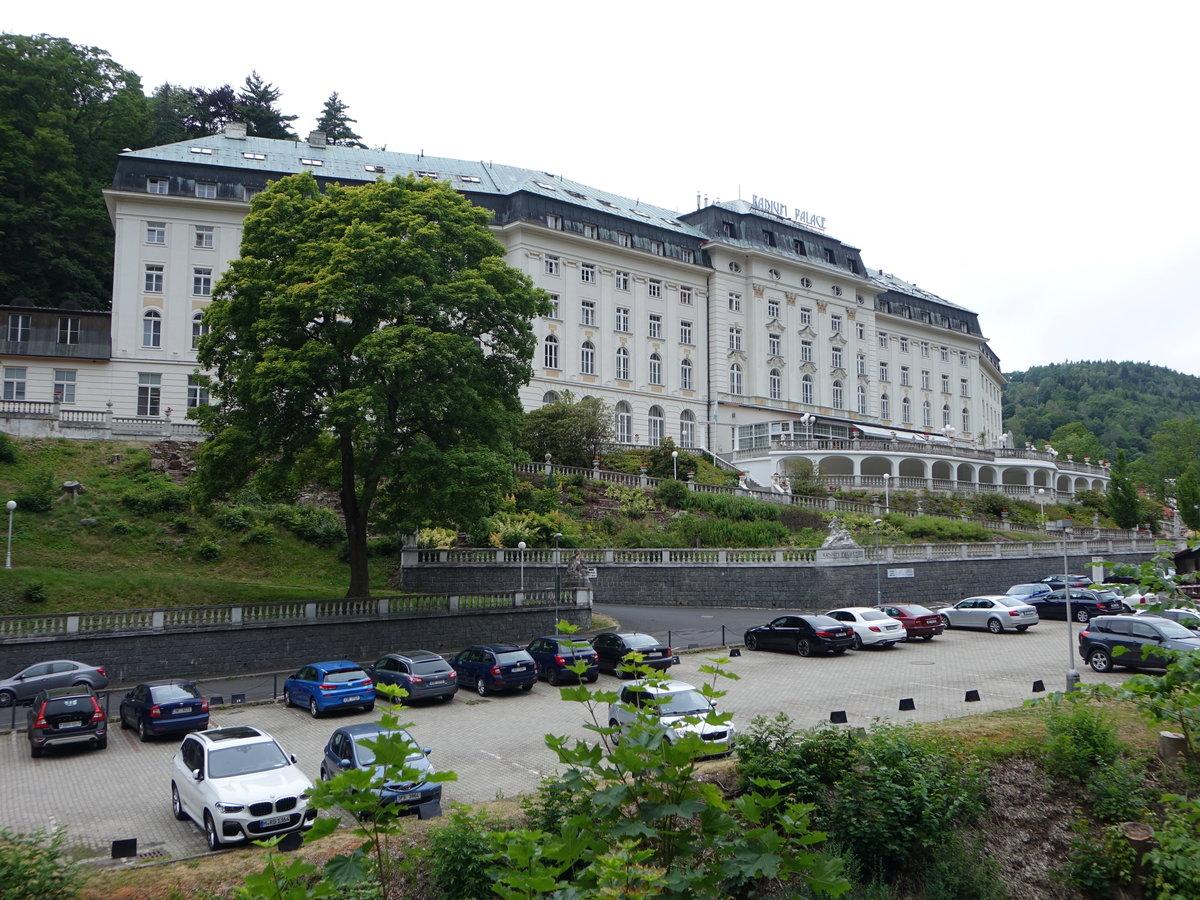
811	220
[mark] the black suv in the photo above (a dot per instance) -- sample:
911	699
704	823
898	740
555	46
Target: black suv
1101	638
66	715
496	667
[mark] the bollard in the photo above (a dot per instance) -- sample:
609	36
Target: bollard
972	697
907	705
838	717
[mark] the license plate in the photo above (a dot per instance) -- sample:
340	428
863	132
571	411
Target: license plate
274	820
353	699
181	712
439	681
62	725
517	669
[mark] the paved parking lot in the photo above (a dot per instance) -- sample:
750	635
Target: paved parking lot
496	745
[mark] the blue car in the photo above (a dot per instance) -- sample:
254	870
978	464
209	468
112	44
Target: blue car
1027	592
164	707
495	667
330	685
347	749
555	655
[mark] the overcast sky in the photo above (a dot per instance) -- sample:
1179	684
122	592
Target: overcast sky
1035	162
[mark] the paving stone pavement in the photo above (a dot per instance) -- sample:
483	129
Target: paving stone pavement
496	744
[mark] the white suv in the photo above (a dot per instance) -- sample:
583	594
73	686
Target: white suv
679	707
237	783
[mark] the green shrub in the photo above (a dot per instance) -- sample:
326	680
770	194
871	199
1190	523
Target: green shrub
697	532
314	524
237	518
804	763
632	502
1095	866
35	592
555	802
461	857
37	494
932	528
437	539
962	870
155	496
797	518
1118	791
34	867
673	494
1080	740
8	450
259	534
208	551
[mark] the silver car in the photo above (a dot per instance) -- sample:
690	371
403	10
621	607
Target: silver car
995	612
680	710
56	673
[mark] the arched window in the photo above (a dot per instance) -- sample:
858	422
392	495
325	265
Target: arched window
885	407
587	358
966	428
946	416
550	397
927	415
550	355
735	379
655	369
806	390
862	400
199	329
775	384
622	364
152	328
906	411
687	429
624	423
685	375
837	394
658	426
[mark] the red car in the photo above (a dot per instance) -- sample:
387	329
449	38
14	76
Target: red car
917	620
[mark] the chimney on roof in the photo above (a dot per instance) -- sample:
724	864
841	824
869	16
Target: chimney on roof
316	139
235	131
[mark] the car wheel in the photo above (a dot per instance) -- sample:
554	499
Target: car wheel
121	720
946	621
176	806
143	731
927	637
287	698
312	707
554	678
481	687
594	677
803	647
527	687
1100	661
858	644
613	723
447	697
210	832
102	743
838	651
1082	615
35	751
369	707
751	642
995	626
7	698
1022	628
1126	609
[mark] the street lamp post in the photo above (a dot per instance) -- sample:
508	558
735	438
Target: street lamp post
887	499
521	547
878	601
675	464
10	506
1072	672
1041	495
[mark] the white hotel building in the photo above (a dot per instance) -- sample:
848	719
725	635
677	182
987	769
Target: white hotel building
735	327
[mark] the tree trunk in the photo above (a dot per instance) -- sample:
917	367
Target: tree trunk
354	514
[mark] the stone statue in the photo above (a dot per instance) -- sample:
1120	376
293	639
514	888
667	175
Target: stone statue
839	538
577	572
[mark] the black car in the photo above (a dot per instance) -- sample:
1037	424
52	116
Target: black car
164	707
1099	641
1085	604
804	635
612	649
347	749
422	673
556	654
496	667
66	715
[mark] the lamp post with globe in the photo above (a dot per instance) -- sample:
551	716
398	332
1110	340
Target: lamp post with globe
10	506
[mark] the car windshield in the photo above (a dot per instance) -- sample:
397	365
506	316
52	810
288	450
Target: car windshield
1173	629
683	703
344	676
871	615
165	693
429	667
636	641
246	759
366	756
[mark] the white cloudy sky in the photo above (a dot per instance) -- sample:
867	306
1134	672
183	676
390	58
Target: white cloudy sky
1033	161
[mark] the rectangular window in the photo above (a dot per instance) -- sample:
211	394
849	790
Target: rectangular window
622	318
553	221
197	394
945	384
204	237
861	365
860	331
806	351
68	330
769	238
64	385
624	239
829	256
687	255
654	288
151	329
685	375
551	264
735	302
18	327
656	247
835	357
202	281
149	394
883	340
156	232
962	357
945	352
773	308
805	316
903	345
835	324
14	383
685	296
621	280
963	390
589	231
773	344
735	338
587	273
154	278
206	189
905	378
798	247
655	372
656	326
925	379
685	332
587	312
554	312
157	185
883	372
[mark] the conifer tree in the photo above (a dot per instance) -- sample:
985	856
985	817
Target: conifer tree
335	122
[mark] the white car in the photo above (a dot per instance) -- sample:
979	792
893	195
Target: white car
238	784
995	612
679	707
872	627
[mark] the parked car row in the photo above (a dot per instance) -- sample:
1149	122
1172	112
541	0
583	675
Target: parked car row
839	630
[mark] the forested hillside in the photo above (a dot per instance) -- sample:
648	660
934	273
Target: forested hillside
1122	403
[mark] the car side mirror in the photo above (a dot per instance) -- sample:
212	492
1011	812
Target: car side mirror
343	763
129	695
426	750
197	775
293	758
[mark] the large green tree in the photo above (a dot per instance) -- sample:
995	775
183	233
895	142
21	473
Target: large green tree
65	113
1076	440
256	107
1122	495
380	320
572	431
335	122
